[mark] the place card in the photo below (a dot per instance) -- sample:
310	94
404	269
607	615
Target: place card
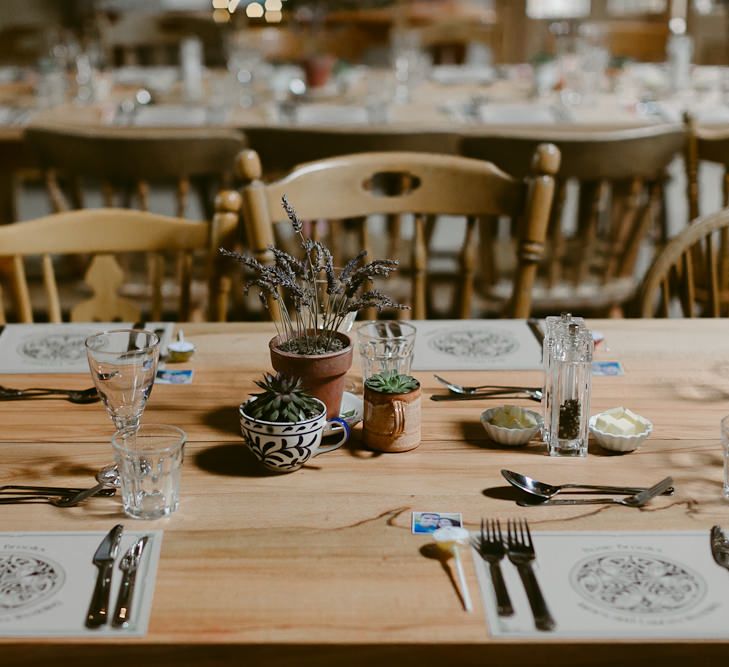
620	585
47	580
59	348
477	345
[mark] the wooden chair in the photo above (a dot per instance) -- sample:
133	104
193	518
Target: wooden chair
280	149
620	178
137	38
642	40
704	145
24	44
356	186
128	160
676	283
104	233
448	41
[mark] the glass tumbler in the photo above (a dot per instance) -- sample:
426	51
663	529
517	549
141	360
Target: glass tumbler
149	459
123	364
386	346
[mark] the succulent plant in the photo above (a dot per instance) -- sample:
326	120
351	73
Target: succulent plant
283	399
392	382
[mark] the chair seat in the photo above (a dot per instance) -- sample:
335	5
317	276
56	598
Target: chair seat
589	296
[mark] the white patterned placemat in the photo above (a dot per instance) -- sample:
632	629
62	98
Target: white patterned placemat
618	585
59	348
443	345
47	579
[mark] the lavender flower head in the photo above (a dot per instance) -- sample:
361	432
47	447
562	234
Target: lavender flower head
309	316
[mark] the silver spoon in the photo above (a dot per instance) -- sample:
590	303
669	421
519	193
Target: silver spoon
545	491
458	389
107	477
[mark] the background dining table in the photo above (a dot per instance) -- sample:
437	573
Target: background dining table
319	567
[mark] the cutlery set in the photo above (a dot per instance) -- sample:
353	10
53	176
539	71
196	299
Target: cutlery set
542	494
519	549
457	392
104	559
59	496
81	396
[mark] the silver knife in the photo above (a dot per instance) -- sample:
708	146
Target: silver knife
536	328
104	560
719	547
129	565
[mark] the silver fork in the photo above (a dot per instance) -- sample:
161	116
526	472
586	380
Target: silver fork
520	550
490	545
531	394
459	389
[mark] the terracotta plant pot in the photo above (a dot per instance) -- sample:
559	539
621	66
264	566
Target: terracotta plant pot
318	70
323	375
391	421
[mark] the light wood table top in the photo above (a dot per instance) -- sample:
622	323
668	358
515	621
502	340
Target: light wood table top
319	566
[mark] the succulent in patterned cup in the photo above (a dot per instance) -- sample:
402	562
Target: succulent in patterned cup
283	425
391	412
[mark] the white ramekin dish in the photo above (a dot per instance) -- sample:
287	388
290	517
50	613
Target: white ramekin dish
513	437
619	443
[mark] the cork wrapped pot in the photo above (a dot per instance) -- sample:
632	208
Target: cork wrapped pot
392	420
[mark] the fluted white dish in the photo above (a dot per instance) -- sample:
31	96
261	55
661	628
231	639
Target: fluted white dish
619	443
513	437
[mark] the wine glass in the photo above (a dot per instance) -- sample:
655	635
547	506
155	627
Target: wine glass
123	365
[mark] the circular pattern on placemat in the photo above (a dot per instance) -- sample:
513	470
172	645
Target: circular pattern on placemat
53	348
474	343
26	579
640	584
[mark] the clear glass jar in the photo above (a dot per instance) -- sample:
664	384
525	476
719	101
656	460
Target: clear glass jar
569	387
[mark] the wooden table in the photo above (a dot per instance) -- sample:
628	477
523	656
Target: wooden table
319	567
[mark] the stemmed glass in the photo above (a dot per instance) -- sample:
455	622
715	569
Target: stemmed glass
123	364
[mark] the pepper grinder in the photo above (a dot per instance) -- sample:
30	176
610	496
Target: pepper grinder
556	327
570	381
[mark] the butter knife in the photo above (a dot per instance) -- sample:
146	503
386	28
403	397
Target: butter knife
536	328
719	547
129	565
104	560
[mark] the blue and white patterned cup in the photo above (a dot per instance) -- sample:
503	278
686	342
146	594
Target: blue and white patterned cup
284	447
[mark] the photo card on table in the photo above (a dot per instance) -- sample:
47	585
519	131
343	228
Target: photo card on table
424	523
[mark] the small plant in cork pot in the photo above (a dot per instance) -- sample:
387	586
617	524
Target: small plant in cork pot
283	425
391	412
